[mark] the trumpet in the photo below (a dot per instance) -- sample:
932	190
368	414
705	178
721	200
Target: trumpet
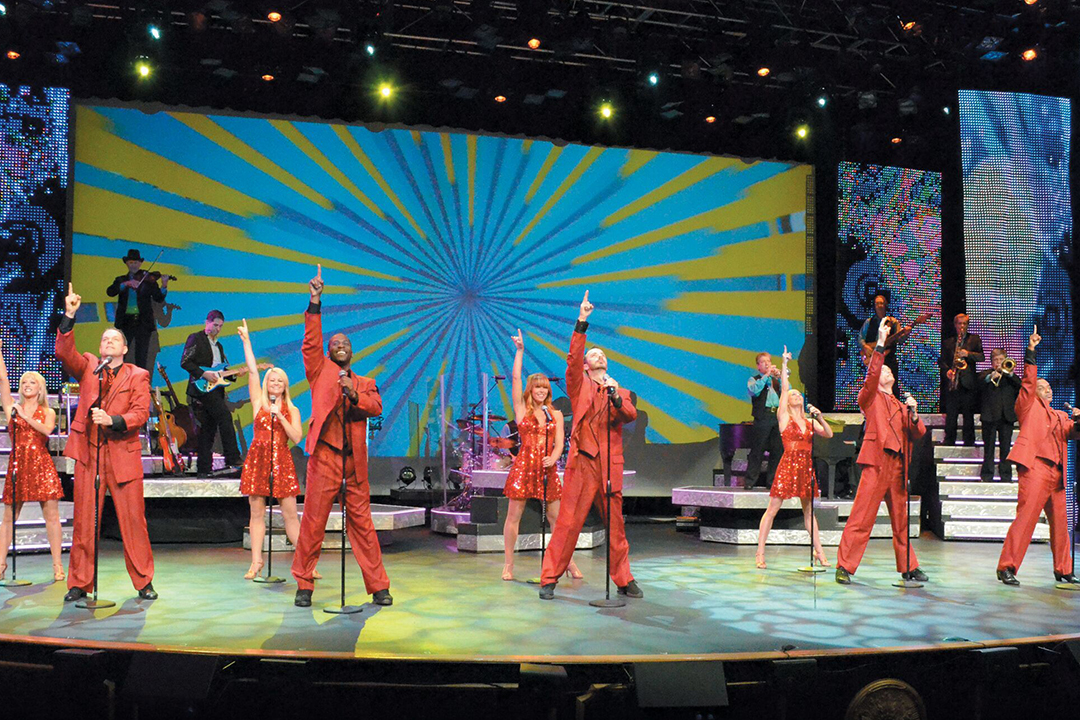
1007	366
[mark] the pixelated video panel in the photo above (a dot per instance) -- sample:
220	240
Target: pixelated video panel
888	242
33	209
1018	227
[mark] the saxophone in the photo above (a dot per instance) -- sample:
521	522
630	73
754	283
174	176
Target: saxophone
958	363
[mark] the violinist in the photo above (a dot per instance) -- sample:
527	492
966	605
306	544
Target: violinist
137	291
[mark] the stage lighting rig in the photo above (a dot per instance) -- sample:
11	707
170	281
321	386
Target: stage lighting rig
606	111
273	16
154	32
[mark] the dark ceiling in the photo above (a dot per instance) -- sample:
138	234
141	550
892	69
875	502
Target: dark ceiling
885	70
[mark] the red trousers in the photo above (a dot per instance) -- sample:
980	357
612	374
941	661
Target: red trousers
583	486
130	511
878	483
1041	488
323	488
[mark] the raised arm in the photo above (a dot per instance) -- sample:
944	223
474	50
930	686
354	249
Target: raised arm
1027	395
868	392
6	401
575	360
312	348
782	415
515	385
73	362
254	389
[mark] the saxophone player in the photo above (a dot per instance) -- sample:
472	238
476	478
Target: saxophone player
959	353
1000	386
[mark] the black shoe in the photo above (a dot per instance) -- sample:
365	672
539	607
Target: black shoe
843	576
379	597
547	592
148	592
917	575
74	594
1069	578
302	599
631	590
1007	576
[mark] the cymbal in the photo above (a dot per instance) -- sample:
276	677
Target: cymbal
501	443
480	418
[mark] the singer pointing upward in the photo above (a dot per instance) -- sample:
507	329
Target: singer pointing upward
336	393
595	454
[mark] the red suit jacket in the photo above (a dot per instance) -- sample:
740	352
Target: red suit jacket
128	397
589	434
1041	426
881	414
322	374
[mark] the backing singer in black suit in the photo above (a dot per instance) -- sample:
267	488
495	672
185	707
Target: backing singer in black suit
999	390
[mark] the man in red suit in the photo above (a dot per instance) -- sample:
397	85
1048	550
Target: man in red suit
1041	454
596	450
124	393
891	426
334	387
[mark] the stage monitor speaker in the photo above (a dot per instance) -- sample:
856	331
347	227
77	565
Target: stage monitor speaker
170	676
693	683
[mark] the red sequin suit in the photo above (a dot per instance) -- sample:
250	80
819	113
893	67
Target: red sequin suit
527	476
36	477
795	474
255	478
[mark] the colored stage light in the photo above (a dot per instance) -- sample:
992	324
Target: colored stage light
268	77
946	110
155	32
3	9
534	43
763	72
606	111
1029	54
654	79
1030	2
13	55
385	91
710	119
822	101
909	25
273	16
143	69
369	49
500	98
896	140
802	132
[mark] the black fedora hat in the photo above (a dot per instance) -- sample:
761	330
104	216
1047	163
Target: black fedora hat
133	254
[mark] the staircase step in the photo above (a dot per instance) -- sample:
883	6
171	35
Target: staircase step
987	530
980	509
970	489
961	453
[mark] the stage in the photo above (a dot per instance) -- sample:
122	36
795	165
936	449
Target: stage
702	600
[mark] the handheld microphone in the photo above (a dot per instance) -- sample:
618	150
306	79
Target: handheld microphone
1068	407
609	388
547	413
102	365
342	373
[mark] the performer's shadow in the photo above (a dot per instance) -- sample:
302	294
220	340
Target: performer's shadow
673	615
300	630
121	624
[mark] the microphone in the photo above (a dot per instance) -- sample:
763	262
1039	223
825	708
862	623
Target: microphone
102	365
498	377
611	390
342	373
554	378
907	396
547	413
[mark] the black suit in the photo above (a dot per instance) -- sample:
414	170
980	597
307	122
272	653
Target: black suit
765	436
137	327
211	413
998	416
964	398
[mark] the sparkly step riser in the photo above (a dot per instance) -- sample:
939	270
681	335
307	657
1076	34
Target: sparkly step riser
491	543
986	530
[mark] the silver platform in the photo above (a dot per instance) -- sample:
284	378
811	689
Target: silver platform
385	518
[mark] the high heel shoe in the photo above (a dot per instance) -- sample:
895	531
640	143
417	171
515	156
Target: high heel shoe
254	570
760	561
572	571
58	572
823	561
508	572
315	575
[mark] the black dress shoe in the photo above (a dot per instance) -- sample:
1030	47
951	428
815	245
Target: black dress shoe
303	598
547	592
1007	576
1069	578
843	576
917	575
382	597
148	592
74	594
631	590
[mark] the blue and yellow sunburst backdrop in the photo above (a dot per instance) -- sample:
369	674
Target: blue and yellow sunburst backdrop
436	247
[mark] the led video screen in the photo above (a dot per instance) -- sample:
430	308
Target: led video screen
436	247
34	168
888	242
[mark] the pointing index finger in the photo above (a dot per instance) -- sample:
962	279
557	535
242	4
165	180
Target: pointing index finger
319	273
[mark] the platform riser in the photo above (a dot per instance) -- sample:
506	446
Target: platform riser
494	543
988	530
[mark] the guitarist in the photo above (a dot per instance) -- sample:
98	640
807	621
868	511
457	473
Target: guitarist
961	386
202	350
868	336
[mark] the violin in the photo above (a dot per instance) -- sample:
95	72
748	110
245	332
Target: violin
154	275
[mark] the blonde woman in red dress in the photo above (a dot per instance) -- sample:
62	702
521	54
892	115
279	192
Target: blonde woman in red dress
534	465
31	421
271	407
795	473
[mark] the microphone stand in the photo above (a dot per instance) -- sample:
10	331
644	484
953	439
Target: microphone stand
94	603
13	469
343	609
543	508
607	601
1074	587
812	568
270	578
905	582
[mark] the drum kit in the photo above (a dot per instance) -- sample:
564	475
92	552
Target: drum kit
501	446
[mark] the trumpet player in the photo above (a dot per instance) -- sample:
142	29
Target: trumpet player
959	353
1000	386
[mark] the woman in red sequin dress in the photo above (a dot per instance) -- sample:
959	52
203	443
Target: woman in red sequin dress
31	421
795	473
277	421
534	465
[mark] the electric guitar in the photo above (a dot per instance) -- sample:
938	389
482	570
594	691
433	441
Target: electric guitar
224	376
891	341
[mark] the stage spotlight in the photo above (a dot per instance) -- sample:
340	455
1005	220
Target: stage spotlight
500	98
534	43
946	110
273	16
909	25
369	49
385	91
1029	54
3	9
763	72
13	55
429	476
802	132
897	140
822	101
1030	2
654	78
710	119
155	32
143	68
406	476
268	77
606	111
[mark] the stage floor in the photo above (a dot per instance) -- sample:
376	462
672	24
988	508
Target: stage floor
700	598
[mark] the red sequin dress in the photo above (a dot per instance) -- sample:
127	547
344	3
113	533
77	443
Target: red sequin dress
36	478
255	477
526	478
795	473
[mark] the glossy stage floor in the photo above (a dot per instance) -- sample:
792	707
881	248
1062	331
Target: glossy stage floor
700	599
